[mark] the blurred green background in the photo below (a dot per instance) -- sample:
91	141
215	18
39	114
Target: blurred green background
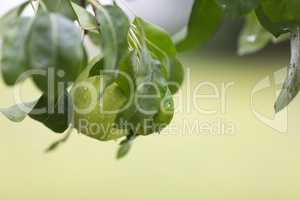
253	162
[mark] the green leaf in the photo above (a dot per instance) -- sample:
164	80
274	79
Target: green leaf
279	16
59	142
123	150
125	146
175	75
18	113
275	28
14	59
86	73
149	82
146	100
13	32
166	112
95	38
291	85
156	38
237	8
114	27
162	47
62	7
204	21
11	15
282	10
53	113
142	109
253	36
126	77
97	68
86	20
55	43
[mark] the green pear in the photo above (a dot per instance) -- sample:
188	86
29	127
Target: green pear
96	108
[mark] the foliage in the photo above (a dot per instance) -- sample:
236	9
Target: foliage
50	42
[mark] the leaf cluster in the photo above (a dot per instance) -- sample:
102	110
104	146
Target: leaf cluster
265	21
51	43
